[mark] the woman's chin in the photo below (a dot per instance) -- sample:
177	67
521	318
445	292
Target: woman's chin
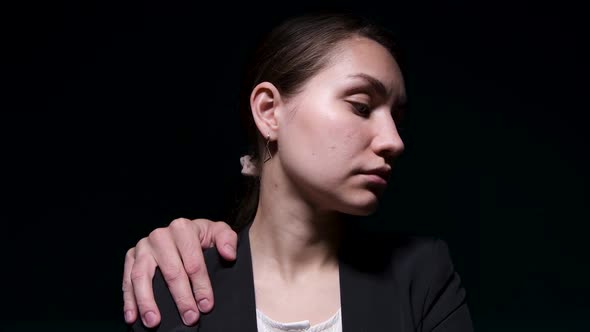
363	206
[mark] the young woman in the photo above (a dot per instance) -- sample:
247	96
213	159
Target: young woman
321	98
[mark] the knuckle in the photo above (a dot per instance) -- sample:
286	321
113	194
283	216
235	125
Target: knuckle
158	234
184	301
179	223
128	305
172	273
144	305
201	289
127	285
142	243
193	268
137	275
130	253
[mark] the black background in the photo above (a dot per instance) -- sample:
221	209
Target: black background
120	116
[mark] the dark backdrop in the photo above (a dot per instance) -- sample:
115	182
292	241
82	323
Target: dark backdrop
119	117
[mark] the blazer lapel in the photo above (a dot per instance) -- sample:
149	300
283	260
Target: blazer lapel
367	294
233	282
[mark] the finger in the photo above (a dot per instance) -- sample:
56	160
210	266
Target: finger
187	237
142	275
129	305
171	264
225	240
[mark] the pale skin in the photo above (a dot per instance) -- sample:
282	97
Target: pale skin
176	249
336	144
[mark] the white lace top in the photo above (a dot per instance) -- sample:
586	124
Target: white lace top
266	324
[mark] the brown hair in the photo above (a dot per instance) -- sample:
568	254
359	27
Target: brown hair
288	56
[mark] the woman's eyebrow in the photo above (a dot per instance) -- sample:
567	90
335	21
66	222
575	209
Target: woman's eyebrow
375	85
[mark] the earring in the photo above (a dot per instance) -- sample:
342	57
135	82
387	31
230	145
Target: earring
267	149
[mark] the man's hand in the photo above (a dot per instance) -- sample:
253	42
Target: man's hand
177	251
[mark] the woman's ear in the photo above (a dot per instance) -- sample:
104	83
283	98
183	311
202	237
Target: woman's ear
265	101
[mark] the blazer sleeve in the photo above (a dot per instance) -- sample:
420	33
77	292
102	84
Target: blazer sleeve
445	305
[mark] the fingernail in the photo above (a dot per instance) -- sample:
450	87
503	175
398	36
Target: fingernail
189	317
128	316
203	305
149	319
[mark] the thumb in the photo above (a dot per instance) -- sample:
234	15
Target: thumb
226	241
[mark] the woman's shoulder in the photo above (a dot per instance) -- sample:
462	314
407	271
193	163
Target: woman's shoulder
421	270
399	252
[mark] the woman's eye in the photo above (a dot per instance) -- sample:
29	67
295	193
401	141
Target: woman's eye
361	109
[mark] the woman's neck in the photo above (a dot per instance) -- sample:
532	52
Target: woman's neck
290	238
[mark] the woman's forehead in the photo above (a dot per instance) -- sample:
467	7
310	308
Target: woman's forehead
364	61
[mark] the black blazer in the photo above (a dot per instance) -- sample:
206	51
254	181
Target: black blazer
388	282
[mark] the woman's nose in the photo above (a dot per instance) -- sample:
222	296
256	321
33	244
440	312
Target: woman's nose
387	141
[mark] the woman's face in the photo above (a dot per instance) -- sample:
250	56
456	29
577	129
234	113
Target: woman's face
338	138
